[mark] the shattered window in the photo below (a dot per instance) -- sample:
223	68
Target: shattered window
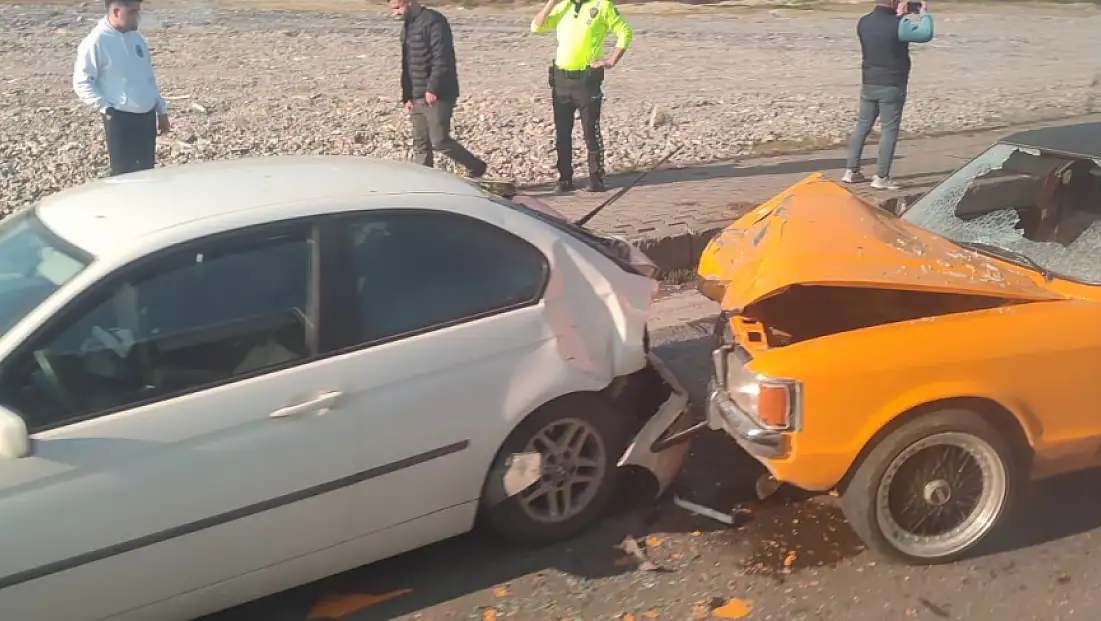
1026	206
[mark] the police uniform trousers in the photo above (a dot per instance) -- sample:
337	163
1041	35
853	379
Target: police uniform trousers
573	92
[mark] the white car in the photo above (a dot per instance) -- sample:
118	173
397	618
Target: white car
222	380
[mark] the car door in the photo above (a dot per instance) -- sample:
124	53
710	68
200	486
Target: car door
444	315
186	431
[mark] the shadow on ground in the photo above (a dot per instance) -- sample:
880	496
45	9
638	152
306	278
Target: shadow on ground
1051	510
725	170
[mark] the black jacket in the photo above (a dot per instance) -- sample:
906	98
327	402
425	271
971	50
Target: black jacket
885	60
428	57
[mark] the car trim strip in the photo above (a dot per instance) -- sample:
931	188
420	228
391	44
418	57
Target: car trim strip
145	541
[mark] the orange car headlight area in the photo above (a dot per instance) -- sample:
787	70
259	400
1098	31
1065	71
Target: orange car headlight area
775	403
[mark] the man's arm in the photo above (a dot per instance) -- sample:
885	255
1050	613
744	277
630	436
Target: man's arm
85	72
442	45
406	84
549	16
921	32
620	28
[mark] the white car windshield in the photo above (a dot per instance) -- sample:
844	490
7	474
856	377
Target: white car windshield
1037	209
34	262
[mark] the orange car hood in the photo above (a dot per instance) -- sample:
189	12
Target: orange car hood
817	233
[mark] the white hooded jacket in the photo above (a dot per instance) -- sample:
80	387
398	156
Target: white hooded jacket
113	70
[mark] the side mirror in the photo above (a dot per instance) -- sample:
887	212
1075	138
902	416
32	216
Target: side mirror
15	442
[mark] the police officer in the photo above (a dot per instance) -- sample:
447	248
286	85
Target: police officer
577	74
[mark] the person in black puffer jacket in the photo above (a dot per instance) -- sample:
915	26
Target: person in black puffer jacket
430	84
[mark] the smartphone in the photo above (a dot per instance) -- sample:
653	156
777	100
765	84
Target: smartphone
913	7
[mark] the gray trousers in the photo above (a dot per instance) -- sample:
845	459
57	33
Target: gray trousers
432	132
884	102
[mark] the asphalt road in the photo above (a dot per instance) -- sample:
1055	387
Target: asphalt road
786	558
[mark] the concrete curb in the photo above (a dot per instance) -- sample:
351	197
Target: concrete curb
679	247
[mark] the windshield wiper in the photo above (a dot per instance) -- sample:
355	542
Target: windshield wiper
1012	256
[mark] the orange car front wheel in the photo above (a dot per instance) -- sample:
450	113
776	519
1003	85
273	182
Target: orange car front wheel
933	489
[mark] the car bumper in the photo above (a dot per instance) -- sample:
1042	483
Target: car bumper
662	444
722	413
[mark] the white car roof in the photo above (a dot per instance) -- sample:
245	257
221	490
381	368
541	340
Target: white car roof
108	214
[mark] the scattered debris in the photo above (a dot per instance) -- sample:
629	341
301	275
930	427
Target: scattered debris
733	609
523	470
767	486
489	615
698	509
199	108
933	608
631	547
500	591
336	606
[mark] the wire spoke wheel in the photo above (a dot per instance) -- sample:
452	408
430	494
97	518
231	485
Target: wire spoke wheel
574	463
941	495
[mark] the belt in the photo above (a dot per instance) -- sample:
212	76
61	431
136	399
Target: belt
573	74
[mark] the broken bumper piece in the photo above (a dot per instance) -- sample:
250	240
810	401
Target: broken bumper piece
662	444
722	413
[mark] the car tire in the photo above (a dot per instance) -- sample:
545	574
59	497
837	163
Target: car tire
515	519
888	517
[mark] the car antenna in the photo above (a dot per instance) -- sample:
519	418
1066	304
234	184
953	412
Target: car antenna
589	216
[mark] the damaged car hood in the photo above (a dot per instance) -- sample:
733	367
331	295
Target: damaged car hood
818	233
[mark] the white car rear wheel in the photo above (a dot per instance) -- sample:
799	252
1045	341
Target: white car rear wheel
580	438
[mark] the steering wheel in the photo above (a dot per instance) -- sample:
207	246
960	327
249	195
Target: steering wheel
43	361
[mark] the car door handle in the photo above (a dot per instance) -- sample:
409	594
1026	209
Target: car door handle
321	404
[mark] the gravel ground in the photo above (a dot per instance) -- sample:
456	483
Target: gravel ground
786	559
721	82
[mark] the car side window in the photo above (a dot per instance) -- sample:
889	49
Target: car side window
189	320
417	270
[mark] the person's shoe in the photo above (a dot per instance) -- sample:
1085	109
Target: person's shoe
565	186
884	183
479	172
853	176
595	185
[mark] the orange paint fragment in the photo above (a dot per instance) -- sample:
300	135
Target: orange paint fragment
335	606
653	542
500	591
734	609
650	614
789	559
489	615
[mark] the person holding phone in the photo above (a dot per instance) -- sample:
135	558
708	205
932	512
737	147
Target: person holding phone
885	37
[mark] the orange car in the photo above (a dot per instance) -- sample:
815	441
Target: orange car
925	365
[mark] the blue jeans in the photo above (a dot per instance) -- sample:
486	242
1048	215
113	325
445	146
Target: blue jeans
886	103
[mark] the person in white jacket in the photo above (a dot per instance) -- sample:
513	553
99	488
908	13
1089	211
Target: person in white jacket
113	75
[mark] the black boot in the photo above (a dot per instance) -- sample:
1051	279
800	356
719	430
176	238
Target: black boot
564	186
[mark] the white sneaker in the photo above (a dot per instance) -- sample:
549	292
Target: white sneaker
884	183
853	176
